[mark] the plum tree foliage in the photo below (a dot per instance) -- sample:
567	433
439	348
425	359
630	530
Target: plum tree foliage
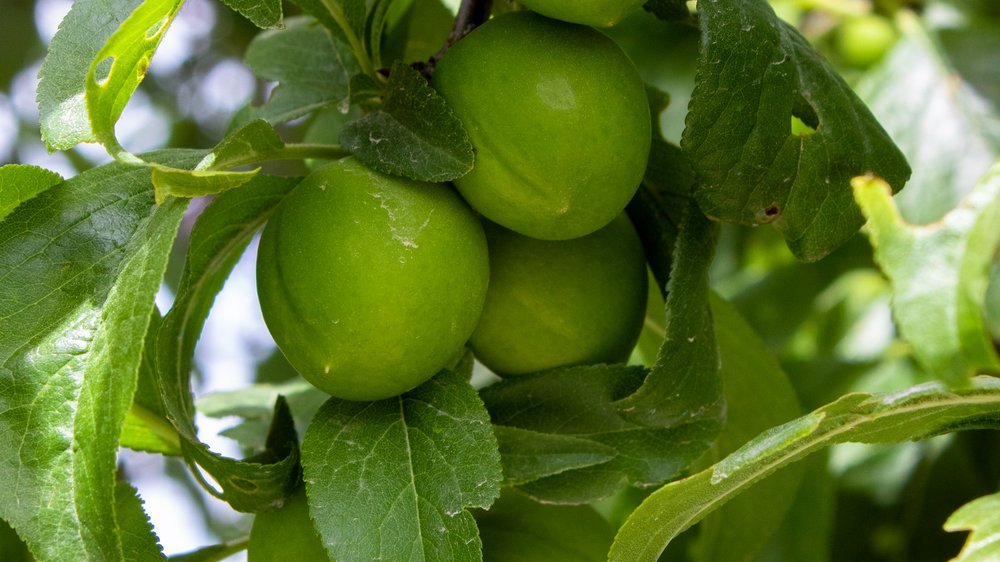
549	280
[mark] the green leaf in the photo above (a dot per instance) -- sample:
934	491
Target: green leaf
254	404
250	143
62	105
758	396
915	413
212	553
658	207
196	183
939	275
915	91
404	470
263	13
217	241
253	142
416	32
685	386
20	182
517	528
414	135
982	518
12	547
752	169
121	64
80	267
572	416
530	455
668	10
318	10
138	540
313	70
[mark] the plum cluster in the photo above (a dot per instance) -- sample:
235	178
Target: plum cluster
371	284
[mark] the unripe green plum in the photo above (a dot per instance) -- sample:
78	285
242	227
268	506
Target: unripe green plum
560	121
286	534
599	13
371	284
864	40
559	303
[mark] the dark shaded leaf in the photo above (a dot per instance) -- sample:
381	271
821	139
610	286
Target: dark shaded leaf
751	168
414	135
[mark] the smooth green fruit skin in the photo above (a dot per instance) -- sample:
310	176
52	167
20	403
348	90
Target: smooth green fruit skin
864	40
560	303
286	534
599	13
371	284
559	119
517	529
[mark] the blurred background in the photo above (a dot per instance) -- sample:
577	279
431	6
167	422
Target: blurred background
929	71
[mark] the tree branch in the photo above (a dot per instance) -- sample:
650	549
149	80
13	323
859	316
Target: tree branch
471	14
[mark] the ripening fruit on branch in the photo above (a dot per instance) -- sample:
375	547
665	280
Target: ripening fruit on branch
559	303
560	121
599	13
286	534
371	284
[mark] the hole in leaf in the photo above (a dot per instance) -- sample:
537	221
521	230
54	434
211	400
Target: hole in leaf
142	67
102	71
799	128
769	214
157	28
243	484
805	122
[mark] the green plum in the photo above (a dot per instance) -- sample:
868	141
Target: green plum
286	534
559	119
862	41
559	303
599	13
371	284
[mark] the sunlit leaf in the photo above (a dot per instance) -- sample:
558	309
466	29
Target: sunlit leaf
62	104
20	182
121	64
982	518
939	275
80	267
916	413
